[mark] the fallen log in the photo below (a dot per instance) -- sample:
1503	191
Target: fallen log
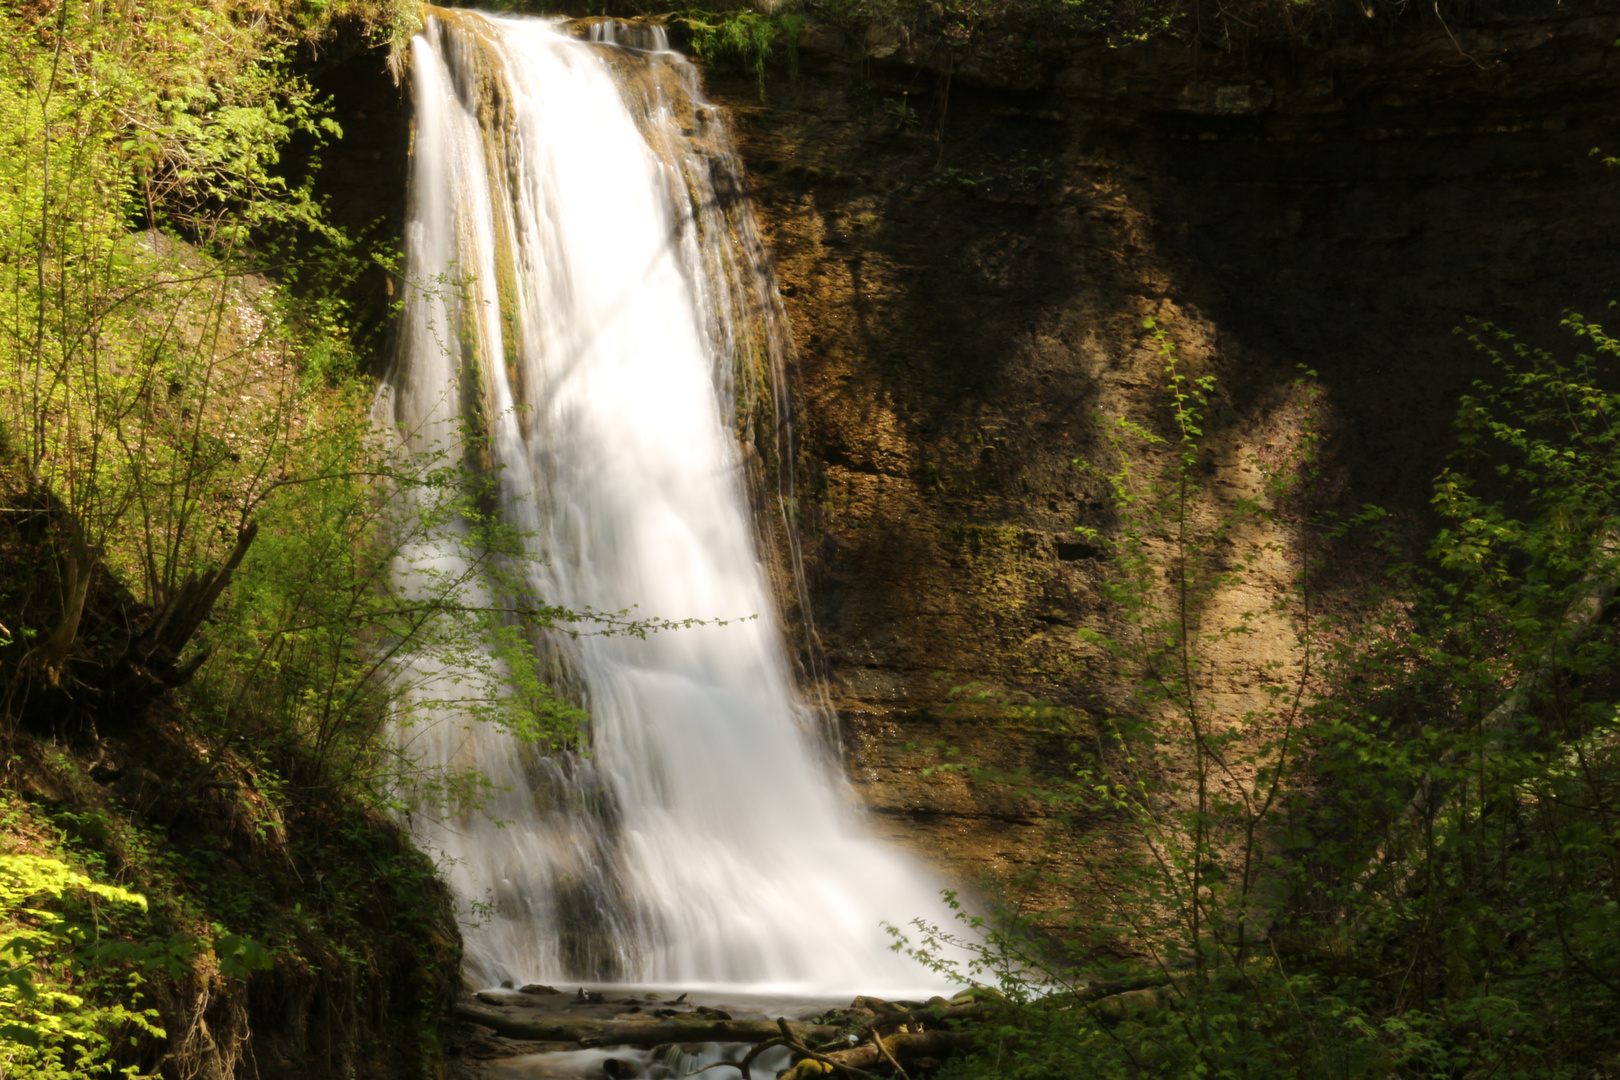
905	1046
675	1029
930	1014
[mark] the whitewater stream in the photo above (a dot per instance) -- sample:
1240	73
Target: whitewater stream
589	291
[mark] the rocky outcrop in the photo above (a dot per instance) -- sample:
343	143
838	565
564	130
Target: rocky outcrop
968	245
968	241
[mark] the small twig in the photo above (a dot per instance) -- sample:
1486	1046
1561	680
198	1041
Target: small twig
877	1040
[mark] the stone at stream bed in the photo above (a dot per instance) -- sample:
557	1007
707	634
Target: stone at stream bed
538	988
711	1013
879	1006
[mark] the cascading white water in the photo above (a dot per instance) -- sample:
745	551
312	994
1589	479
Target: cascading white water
598	287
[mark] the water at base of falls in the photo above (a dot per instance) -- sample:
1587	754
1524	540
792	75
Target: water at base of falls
600	310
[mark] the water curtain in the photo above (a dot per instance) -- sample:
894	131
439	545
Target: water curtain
589	296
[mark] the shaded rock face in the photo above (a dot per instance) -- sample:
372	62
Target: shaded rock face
964	315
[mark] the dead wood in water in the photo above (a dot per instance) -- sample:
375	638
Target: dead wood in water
904	1046
675	1029
805	1055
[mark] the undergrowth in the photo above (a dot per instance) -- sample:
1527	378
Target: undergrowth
193	848
1404	863
56	953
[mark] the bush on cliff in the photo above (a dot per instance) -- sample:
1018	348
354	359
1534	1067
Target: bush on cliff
1405	865
182	420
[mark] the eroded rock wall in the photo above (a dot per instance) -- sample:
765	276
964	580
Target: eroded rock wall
964	313
966	308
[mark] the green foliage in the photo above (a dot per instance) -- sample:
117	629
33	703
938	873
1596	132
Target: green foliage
1480	842
901	113
178	374
1013	175
343	909
1406	864
162	404
957	24
1251	1021
1196	789
175	405
55	984
146	378
1171	557
319	645
744	39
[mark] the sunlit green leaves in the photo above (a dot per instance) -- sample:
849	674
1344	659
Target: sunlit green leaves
51	1026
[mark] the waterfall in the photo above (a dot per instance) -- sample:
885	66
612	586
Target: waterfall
589	294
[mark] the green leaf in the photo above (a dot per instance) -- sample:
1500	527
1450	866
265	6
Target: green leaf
25	1036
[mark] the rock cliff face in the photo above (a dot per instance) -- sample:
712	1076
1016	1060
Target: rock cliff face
965	308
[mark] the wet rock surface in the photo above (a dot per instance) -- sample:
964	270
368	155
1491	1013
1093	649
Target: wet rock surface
966	308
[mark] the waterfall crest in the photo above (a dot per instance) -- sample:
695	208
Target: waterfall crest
600	313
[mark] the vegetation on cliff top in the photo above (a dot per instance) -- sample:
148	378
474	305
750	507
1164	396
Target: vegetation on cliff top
751	35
